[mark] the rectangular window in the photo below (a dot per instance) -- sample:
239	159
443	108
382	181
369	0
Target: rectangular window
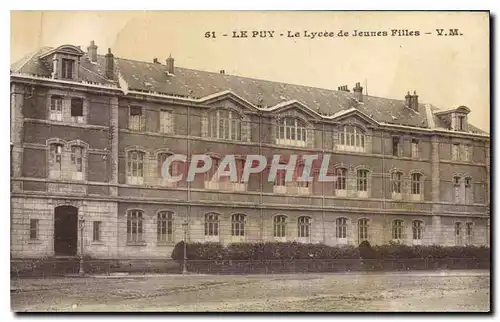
468	232
56	113
67	68
362	180
455	151
135	118
166	122
96	231
466	152
415	151
77	110
461	122
33	229
395	146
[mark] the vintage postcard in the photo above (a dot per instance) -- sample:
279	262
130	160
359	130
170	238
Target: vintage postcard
254	161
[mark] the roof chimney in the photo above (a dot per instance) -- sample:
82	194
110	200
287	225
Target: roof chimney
414	101
222	71
155	60
170	65
408	100
358	92
109	65
92	51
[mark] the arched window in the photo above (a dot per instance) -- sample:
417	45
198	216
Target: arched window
418	230
362	180
225	124
396	183
416	182
341	228
77	153
135	167
134	226
397	229
238	225
280	226
304	226
351	138
291	131
341	183
211	224
362	229
165	228
55	160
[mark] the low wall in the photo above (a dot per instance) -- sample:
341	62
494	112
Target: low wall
53	267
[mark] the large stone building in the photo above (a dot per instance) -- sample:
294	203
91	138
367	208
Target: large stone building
89	134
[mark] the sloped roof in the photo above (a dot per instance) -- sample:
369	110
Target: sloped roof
153	77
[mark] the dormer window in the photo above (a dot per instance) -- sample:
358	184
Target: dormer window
67	68
291	131
351	138
460	122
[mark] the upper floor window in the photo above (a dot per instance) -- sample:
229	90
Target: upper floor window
56	108
280	226
77	162
396	182
304	226
225	124
136	120
352	138
415	149
397	229
416	186
461	152
455	151
341	231
77	110
135	167
211	225
166	122
291	131
55	160
396	146
341	182
362	183
67	68
134	226
238	225
460	122
164	226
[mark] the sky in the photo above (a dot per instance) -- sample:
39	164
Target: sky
447	71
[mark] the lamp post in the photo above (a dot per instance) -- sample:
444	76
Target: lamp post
82	225
184	263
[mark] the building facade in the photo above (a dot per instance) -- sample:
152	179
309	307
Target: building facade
89	134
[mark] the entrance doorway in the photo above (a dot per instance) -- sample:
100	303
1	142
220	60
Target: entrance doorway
65	231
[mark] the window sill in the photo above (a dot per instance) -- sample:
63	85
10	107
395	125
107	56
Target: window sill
97	243
136	244
35	242
165	244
